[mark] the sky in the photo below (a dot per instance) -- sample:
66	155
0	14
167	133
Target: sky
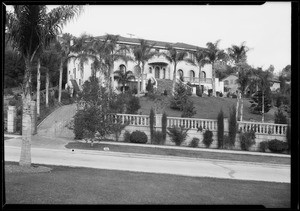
266	29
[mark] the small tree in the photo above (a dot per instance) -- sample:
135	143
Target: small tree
207	138
259	99
177	134
232	126
164	125
220	129
151	123
280	118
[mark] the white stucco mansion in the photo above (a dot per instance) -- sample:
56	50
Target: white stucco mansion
157	69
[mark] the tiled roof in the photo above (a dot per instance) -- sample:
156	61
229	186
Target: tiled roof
160	44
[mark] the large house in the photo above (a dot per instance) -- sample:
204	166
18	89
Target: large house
158	68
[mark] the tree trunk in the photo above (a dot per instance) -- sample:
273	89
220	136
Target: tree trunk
174	79
213	80
47	88
25	158
143	81
38	88
242	107
112	85
263	107
60	80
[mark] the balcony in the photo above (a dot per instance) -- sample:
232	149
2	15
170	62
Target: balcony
196	80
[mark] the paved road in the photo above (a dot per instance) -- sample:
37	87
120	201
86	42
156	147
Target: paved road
155	164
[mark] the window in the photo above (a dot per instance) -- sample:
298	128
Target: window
79	82
122	68
164	71
150	69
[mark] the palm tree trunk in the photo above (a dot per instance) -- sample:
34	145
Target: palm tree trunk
242	107
112	85
38	88
47	87
263	107
213	80
143	81
60	80
139	84
174	79
25	158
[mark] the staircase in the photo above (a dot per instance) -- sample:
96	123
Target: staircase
164	84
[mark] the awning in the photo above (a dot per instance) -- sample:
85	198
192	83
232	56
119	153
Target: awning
158	63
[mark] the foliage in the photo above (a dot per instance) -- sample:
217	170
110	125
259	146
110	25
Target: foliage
263	146
117	128
138	137
256	102
151	117
233	127
133	105
126	136
14	67
181	102
177	134
125	103
123	77
247	140
280	118
164	125
195	142
8	91
220	129
149	86
78	125
227	143
207	138
210	92
198	91
277	145
158	138
165	92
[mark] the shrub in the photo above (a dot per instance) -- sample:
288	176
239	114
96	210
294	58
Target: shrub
8	91
158	138
188	109
13	102
151	117
133	105
177	134
210	91
221	94
180	98
164	125
198	91
234	95
263	146
227	144
247	140
232	125
207	138
126	136
138	137
165	92
134	91
78	125
228	94
189	90
194	143
277	145
280	118
220	129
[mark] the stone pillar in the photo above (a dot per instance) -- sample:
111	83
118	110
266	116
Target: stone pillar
33	118
158	118
226	125
11	119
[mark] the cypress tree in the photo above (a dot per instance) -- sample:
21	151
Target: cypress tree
164	125
220	129
151	123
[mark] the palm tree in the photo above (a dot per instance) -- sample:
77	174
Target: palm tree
175	56
200	57
113	52
27	28
142	54
214	54
238	54
123	77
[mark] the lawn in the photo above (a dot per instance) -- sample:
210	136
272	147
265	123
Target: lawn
206	107
182	153
67	185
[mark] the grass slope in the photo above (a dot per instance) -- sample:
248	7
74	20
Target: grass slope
206	107
66	185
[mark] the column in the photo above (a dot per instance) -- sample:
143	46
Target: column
11	119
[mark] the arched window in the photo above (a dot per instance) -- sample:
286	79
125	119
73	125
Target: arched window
164	71
122	67
192	75
203	74
180	74
150	69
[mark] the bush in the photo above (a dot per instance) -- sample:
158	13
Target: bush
247	140
263	146
194	143
207	138
227	144
198	91
126	136
277	145
234	95
220	129
280	118
13	102
188	109
133	105
138	137
134	91
177	134
158	138
210	91
228	94
221	94
165	92
79	125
